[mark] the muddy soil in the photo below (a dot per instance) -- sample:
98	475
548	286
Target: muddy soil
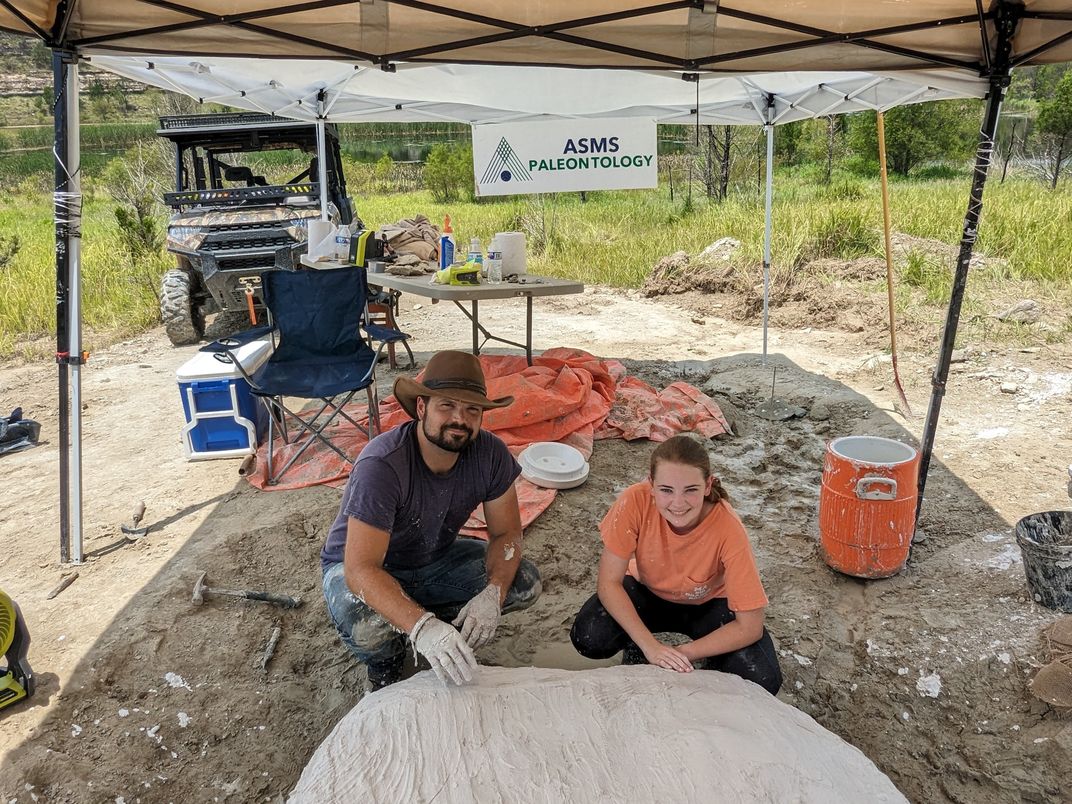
143	696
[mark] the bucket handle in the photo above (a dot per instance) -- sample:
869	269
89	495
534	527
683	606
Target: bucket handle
865	488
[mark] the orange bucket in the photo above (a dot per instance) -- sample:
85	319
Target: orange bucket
867	505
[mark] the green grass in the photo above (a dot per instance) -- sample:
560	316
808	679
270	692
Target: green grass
117	296
612	239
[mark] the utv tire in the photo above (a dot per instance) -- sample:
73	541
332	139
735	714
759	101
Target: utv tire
183	320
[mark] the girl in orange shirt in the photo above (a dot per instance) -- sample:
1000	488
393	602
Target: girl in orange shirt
676	558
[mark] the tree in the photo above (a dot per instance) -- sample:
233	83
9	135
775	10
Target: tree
1055	126
918	133
46	101
136	182
448	172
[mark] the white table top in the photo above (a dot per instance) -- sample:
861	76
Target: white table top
527	285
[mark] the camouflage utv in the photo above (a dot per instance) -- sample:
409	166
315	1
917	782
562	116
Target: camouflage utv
230	224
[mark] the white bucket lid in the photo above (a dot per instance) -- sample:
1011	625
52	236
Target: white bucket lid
552	465
873	450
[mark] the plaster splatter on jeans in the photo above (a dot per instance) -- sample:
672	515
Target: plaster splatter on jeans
443	587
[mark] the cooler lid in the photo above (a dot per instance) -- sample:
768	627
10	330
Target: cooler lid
205	366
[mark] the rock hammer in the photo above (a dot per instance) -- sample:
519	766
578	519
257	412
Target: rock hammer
200	590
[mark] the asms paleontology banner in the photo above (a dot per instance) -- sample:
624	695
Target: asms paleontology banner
564	155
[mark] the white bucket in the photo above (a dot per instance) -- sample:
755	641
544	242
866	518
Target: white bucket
512	245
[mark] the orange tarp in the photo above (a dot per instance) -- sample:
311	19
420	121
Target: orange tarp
567	395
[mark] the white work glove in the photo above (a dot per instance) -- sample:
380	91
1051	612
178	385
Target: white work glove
479	618
444	648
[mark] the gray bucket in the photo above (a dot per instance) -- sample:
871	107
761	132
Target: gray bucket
1046	545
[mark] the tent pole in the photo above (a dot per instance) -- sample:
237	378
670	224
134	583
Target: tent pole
68	213
1005	25
881	124
769	130
322	167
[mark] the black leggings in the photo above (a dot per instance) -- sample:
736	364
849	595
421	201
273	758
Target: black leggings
597	635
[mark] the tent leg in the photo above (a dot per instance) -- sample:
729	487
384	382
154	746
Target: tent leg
1005	25
68	222
769	128
322	171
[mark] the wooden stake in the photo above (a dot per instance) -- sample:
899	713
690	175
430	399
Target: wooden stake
889	260
269	649
66	581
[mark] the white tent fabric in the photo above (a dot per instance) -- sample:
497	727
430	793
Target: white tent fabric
472	94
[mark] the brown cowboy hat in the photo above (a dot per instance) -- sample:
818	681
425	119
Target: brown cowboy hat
456	375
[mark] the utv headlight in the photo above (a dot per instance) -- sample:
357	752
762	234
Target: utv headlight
185	237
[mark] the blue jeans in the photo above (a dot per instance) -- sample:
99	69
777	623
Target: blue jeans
442	587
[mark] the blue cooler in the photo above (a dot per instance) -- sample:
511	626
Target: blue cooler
223	418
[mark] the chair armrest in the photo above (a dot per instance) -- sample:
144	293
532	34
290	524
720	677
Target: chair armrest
385	334
223	349
236	340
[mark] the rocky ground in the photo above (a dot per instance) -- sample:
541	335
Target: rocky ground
144	697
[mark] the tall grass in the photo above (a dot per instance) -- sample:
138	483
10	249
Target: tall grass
612	238
117	296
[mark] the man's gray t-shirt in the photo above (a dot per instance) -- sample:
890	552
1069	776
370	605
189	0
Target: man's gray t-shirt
392	489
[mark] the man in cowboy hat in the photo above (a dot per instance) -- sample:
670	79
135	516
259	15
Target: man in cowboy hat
393	563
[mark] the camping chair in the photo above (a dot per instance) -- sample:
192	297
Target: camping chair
382	310
320	353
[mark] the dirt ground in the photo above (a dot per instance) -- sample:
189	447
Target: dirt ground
144	697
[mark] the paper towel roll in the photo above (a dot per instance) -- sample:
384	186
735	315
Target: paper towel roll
321	238
512	245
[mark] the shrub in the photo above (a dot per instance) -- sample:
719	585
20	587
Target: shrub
448	172
381	173
136	181
843	233
939	170
923	272
9	247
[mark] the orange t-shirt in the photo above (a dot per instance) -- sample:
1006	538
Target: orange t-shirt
713	560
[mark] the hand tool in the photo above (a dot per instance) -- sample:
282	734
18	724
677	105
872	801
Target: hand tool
133	532
16	679
269	649
200	590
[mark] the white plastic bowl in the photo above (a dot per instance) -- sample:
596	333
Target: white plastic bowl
553	466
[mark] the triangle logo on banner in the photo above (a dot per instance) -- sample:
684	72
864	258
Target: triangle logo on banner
505	165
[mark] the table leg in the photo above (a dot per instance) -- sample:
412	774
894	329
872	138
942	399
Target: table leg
476	327
528	328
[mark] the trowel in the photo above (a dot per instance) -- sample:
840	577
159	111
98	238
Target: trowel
777	410
132	531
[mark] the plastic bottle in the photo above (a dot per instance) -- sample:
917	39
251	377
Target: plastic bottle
476	254
494	262
446	245
342	243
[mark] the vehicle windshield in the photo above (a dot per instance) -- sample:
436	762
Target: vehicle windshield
204	169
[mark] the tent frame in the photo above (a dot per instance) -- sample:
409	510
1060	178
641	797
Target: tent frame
815	37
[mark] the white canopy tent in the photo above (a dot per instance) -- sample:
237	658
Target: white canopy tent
300	89
693	39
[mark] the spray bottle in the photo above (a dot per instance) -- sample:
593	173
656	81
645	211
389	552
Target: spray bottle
446	245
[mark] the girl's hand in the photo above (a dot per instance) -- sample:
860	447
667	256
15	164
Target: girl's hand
667	657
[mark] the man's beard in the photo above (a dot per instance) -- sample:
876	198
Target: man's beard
453	438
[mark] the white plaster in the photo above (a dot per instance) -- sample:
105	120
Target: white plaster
536	735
